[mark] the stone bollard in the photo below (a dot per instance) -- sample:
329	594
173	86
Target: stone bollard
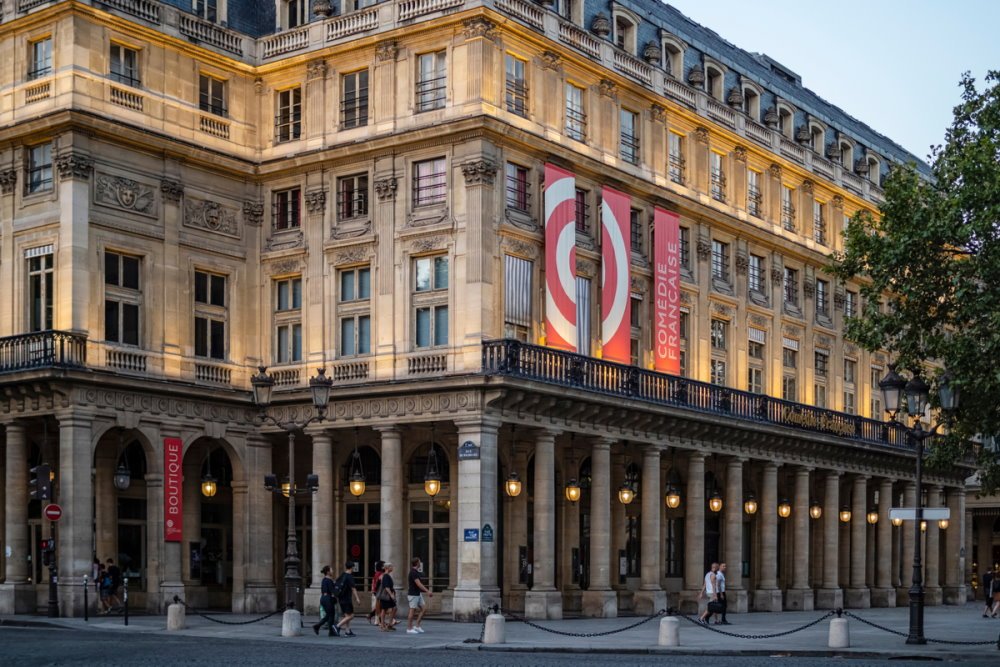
176	616
496	630
840	636
291	623
670	631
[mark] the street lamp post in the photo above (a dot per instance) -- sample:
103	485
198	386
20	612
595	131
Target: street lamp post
263	386
917	392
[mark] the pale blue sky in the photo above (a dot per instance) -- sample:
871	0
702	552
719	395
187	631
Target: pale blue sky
893	64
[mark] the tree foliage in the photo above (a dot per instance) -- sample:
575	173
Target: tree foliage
929	266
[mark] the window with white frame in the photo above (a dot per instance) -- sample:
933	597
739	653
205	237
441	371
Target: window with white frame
629	136
791	286
296	13
755	273
212	95
125	65
576	117
720	260
756	359
625	34
719	334
823	299
850	303
787	208
354	311
431	81
516	188
718	176
122	298
517	297
286	209
516	86
583	315
39	58
850	386
876	393
41	288
354	99
714	82
288	320
39	168
430	301
754	197
288	121
206	9
210	315
819	222
790	363
429	182
352	196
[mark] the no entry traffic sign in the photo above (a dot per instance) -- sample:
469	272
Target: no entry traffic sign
52	512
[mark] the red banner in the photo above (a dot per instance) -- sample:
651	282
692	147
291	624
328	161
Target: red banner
616	253
173	484
667	292
560	258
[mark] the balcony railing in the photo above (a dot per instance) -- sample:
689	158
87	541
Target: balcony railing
42	350
515	359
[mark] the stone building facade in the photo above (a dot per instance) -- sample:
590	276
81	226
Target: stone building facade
183	202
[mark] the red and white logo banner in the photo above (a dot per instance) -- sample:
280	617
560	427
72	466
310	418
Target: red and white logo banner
616	251
173	510
667	292
560	258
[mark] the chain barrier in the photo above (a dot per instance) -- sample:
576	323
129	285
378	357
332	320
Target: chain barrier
207	617
739	635
514	617
929	640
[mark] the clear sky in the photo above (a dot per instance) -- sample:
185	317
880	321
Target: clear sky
893	64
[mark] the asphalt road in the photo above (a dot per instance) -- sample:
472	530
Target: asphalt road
29	646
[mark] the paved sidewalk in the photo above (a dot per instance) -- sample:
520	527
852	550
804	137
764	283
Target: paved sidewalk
949	623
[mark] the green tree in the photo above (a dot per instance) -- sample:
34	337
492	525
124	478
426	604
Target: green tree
935	251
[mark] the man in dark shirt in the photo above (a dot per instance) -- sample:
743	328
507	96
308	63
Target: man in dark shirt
116	582
414	596
348	598
988	592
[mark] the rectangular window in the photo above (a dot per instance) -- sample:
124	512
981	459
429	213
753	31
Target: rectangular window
354	99
207	9
719	334
210	315
791	286
288	320
122	298
288	121
517	187
355	284
720	260
582	315
212	95
355	311
296	14
850	371
355	335
431	326
822	363
876	393
582	212
850	303
41	289
754	198
629	136
718	177
286	208
850	406
822	298
431	273
755	350
40	58
516	86
352	196
636	236
718	371
429	180
789	388
755	379
755	273
431	80
685	250
430	280
39	168
789	357
819	394
517	297
125	65
675	157
819	223
787	208
576	118
684	327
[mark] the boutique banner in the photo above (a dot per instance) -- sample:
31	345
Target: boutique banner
173	484
560	258
616	252
666	292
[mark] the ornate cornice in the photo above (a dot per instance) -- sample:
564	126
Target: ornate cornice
385	188
316	201
479	172
8	181
74	165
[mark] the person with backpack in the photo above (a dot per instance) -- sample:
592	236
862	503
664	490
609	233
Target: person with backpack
375	615
326	603
346	592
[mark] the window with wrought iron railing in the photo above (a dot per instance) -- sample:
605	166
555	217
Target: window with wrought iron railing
675	157
516	86
787	209
755	273
286	208
718	178
822	298
517	187
429	181
576	118
636	236
850	303
720	260
432	80
212	95
354	99
629	136
754	198
685	247
352	196
819	223
791	286
582	212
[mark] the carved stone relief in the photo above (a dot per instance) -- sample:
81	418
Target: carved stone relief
211	216
316	69
253	213
428	243
723	309
658	113
701	134
585	268
353	254
8	180
775	170
385	188
791	331
285	266
172	190
519	247
74	165
125	194
285	241
742	263
478	26
479	172
608	88
703	248
758	321
740	153
550	60
386	51
316	201
638	285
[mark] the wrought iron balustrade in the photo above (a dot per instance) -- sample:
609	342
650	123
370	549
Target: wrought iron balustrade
42	349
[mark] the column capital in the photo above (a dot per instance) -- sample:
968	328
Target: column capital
602	444
485	422
732	460
240	486
606	441
258	439
770	465
547	432
154	479
652	452
319	432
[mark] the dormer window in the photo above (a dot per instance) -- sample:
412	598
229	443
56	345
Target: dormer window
714	81
874	171
751	103
786	121
846	154
817	138
296	13
625	34
673	58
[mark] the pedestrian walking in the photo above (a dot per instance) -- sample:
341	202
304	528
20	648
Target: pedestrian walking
710	591
375	615
387	599
326	605
348	596
116	581
415	598
995	588
988	593
720	581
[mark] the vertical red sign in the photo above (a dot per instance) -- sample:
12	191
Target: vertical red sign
616	252
667	292
560	258
173	481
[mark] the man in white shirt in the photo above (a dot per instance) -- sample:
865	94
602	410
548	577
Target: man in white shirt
710	591
720	581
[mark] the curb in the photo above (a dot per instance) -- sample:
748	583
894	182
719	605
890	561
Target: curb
776	653
17	623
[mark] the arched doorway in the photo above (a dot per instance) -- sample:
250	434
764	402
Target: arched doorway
362	514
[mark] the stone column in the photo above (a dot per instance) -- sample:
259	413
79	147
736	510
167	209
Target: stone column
933	595
393	546
543	600
736	595
155	565
106	505
884	595
954	555
76	494
800	596
322	517
767	597
858	594
599	600
16	596
906	553
171	582
476	576
517	534
830	596
694	532
261	594
651	597
73	276
241	555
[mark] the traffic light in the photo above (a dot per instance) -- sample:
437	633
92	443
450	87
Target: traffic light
48	549
41	483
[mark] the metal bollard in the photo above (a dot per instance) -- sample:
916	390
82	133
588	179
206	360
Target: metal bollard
125	599
86	605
